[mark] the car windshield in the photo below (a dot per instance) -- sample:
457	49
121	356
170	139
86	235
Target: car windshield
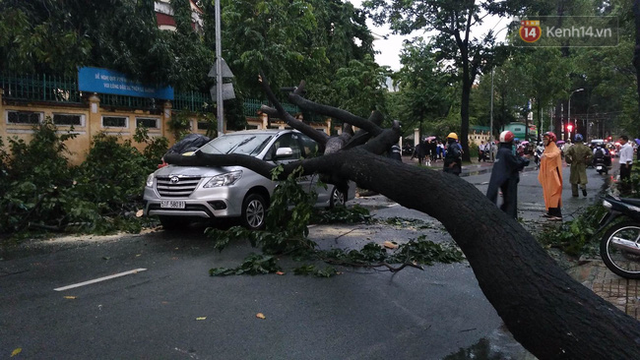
246	144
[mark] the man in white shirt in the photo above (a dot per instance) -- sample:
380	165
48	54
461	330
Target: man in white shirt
626	158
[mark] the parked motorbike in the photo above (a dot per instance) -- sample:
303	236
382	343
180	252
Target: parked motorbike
620	245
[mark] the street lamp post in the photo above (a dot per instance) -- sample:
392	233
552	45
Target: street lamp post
589	132
569	109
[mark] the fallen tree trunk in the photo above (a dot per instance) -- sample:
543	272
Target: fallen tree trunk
549	313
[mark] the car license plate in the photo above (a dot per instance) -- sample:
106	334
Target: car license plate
172	204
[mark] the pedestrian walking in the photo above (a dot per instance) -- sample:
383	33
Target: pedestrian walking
420	151
453	155
550	177
626	159
440	150
505	175
432	146
579	156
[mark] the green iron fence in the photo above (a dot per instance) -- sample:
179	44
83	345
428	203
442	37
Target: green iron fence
60	89
193	101
41	87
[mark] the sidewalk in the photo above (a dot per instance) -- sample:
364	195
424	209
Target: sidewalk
622	293
474	168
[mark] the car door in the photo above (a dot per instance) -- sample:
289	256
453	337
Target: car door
290	140
310	149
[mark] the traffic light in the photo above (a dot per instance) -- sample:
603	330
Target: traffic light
569	127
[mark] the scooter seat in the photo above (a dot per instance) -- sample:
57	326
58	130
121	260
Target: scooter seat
632	201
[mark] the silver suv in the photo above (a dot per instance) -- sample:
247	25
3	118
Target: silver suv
180	194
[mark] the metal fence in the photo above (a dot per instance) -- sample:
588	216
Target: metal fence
64	90
41	87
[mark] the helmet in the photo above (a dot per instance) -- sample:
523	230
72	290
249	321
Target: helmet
551	135
506	136
452	136
579	138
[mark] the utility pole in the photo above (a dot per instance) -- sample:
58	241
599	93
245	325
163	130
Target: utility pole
219	102
569	108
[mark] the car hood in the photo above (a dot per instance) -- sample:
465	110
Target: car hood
203	171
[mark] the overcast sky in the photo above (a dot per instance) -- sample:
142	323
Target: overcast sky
390	48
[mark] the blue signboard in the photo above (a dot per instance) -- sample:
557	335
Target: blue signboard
111	82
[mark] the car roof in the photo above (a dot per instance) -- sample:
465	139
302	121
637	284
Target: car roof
260	131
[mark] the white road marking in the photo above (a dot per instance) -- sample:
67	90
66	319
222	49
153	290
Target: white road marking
89	282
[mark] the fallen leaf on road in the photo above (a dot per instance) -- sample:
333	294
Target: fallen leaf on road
70	297
279	273
260	316
140	213
16	352
390	244
201	318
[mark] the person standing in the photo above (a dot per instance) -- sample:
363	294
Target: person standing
481	151
453	155
505	175
578	155
395	152
550	177
626	159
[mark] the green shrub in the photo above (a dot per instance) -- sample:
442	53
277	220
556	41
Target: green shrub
575	237
36	177
41	191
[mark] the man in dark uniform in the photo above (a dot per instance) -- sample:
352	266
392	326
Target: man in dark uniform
453	156
506	175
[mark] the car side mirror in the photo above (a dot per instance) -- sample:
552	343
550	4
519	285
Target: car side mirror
284	152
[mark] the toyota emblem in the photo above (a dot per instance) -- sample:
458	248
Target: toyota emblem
174	179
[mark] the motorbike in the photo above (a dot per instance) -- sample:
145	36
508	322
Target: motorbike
620	244
537	154
600	165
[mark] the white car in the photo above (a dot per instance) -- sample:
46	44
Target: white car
181	194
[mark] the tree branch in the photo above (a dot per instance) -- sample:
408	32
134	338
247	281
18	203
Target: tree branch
318	136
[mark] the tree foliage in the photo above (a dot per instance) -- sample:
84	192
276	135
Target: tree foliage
453	22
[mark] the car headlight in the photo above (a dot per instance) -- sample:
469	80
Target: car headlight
225	179
150	180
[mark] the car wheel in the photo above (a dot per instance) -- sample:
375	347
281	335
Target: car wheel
170	223
338	198
254	212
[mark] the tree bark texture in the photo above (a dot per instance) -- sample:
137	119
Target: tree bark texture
549	313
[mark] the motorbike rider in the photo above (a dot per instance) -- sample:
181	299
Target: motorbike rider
505	175
601	154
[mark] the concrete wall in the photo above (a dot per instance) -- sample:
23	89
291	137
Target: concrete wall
92	122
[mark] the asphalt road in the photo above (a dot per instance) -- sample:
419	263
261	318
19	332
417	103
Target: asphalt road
174	310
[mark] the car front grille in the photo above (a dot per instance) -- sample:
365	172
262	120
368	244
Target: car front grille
177	186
